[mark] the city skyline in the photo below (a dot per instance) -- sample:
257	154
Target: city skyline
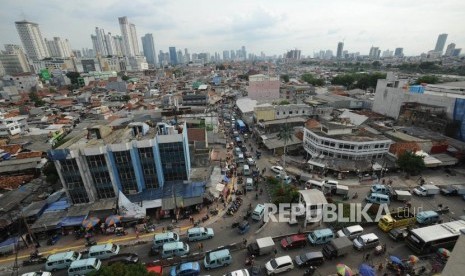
269	26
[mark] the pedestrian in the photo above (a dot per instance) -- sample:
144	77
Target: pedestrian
199	246
367	257
163	229
137	234
244	241
275	251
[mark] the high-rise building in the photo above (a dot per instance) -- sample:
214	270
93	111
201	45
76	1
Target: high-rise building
225	55
180	57
129	36
173	56
187	56
244	52
340	48
58	47
450	49
14	60
293	54
149	49
110	45
440	43
100	48
32	40
456	52
387	54
119	45
375	52
233	55
399	52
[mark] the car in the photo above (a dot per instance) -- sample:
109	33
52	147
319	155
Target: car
309	259
240	272
277	169
294	241
279	265
243	227
285	178
449	191
250	161
129	258
398	234
186	269
255	270
39	273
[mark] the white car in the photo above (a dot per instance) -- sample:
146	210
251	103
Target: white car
241	272
286	178
250	161
40	273
279	265
277	169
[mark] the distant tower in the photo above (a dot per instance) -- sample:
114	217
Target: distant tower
173	56
440	43
129	35
399	52
450	50
340	49
32	40
149	49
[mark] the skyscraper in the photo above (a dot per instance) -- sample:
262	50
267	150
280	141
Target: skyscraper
225	55
58	47
399	52
450	49
32	40
187	56
129	36
244	53
173	56
340	48
440	43
149	49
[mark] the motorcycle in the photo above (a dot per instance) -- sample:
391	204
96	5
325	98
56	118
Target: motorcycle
214	212
235	224
205	218
35	258
90	243
310	271
355	196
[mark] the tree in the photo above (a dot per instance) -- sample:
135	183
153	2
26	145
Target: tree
34	97
411	163
346	80
73	77
310	79
126	98
122	270
285	78
125	78
430	79
284	102
50	172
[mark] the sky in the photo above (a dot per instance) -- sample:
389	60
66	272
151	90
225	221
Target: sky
273	27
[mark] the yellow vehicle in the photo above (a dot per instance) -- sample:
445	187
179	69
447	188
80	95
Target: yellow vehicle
401	218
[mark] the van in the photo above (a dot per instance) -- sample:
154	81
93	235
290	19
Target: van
351	232
258	212
240	158
366	241
172	249
61	260
246	170
320	236
380	189
249	184
200	233
427	217
378	199
216	259
160	239
103	251
313	184
237	151
84	266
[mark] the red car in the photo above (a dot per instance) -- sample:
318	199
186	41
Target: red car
294	241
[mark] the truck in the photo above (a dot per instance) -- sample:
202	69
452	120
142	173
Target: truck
335	188
261	246
401	195
337	248
400	218
460	189
426	190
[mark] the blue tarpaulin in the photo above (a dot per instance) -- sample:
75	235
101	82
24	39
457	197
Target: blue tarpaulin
57	206
72	221
8	245
226	179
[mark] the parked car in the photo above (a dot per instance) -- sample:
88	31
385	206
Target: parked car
186	269
309	259
39	273
250	161
240	272
449	191
125	258
277	169
279	265
398	234
294	241
244	227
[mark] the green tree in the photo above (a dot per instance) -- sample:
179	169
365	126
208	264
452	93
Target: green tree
430	79
126	98
125	78
346	80
411	163
310	79
284	102
34	97
73	77
50	172
122	270
285	78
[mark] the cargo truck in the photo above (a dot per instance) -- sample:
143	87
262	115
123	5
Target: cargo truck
337	248
261	246
400	218
426	190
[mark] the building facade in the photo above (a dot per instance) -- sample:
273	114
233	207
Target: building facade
150	158
173	56
14	60
32	40
263	88
440	43
149	49
344	141
129	37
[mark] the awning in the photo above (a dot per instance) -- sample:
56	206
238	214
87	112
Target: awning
314	163
376	167
72	221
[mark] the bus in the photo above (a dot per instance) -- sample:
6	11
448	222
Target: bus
428	239
240	126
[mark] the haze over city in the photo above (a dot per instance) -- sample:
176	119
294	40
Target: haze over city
269	26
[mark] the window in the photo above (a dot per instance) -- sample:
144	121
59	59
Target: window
127	176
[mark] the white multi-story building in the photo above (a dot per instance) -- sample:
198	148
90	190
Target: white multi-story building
14	60
129	36
32	40
24	82
343	140
59	47
263	88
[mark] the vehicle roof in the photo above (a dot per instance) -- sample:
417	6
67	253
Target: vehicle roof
164	235
249	180
313	254
259	207
380	195
428	213
354	228
323	232
172	245
101	247
283	259
189	265
433	232
378	186
296	237
60	256
196	229
82	262
370	236
220	253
